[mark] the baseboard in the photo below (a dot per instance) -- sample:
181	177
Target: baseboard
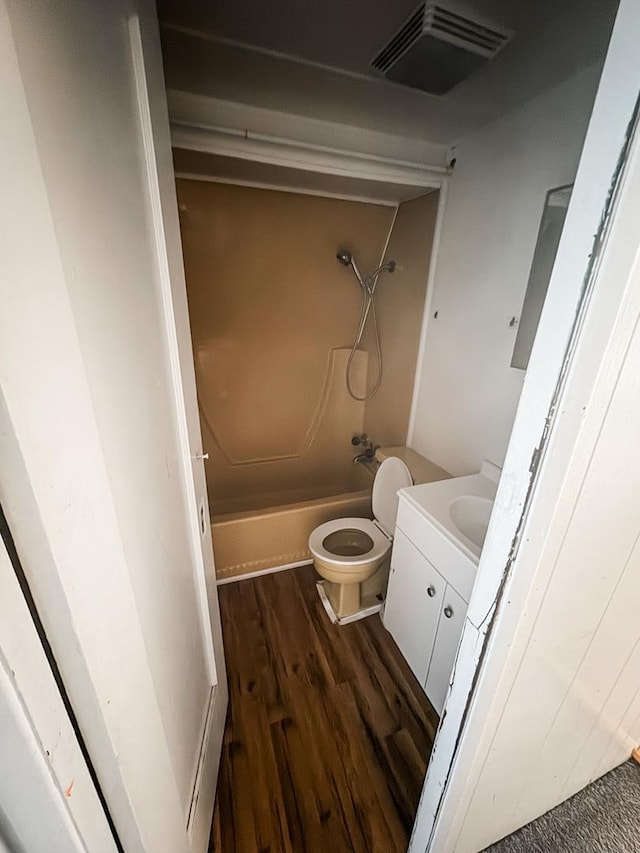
260	572
204	789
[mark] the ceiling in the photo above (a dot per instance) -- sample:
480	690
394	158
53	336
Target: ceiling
311	57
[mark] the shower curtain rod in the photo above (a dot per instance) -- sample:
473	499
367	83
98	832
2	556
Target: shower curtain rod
249	145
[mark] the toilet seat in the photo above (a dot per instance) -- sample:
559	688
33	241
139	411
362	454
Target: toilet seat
381	542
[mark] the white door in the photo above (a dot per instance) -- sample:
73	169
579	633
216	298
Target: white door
452	613
98	470
413	604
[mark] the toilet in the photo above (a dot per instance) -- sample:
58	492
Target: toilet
352	555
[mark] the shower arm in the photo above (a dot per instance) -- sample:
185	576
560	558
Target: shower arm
389	266
370	283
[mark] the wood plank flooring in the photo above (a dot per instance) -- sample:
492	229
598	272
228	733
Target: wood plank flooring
328	732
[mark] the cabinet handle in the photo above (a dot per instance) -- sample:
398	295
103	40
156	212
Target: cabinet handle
448	612
431	591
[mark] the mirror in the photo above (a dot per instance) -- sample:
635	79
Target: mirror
553	215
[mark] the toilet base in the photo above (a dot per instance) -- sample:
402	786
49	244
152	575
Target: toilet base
367	606
347	602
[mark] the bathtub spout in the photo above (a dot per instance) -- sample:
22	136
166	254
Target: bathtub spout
365	457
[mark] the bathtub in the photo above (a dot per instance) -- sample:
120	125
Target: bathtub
276	536
274	532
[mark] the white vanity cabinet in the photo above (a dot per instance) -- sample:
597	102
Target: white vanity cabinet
429	587
443	656
415	598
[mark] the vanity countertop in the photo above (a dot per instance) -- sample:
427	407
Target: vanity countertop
459	507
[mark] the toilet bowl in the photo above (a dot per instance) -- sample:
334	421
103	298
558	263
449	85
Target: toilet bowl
352	554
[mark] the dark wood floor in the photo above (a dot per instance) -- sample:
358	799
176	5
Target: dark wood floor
328	731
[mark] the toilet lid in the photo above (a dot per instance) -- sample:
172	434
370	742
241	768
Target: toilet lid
392	475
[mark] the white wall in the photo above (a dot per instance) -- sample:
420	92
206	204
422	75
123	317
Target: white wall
467	392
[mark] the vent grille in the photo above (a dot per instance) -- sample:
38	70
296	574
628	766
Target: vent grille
426	34
466	32
401	42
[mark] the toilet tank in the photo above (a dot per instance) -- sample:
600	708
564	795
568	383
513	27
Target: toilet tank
422	469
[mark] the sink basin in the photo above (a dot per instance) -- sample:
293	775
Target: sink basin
459	507
470	514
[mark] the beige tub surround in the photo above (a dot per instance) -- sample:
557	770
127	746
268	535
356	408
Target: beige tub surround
273	318
272	313
250	460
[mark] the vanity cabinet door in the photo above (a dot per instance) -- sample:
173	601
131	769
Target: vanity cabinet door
451	620
414	600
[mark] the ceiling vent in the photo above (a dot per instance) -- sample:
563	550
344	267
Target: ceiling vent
439	46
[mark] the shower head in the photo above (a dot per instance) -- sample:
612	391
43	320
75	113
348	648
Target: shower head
345	257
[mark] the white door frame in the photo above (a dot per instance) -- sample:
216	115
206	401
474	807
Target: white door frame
170	321
163	207
519	522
